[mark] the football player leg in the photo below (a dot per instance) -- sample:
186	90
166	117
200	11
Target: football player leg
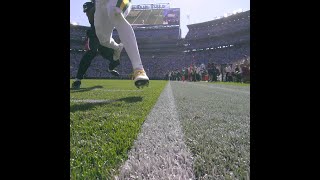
107	53
114	12
104	29
85	61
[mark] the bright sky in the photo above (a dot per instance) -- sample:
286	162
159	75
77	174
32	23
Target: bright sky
198	10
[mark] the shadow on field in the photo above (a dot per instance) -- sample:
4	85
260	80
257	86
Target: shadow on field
90	105
85	89
131	99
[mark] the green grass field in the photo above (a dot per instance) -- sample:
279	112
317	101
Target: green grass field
107	115
216	128
105	119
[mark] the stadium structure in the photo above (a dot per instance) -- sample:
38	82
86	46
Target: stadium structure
171	129
157	27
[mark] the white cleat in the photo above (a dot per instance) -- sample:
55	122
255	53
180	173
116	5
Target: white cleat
140	78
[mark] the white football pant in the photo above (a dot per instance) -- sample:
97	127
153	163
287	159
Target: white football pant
111	14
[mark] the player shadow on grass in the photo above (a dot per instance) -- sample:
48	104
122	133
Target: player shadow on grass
90	105
85	89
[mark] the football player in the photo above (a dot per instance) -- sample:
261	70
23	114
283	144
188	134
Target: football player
110	14
94	48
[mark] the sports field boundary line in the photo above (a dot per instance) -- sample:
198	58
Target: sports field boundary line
92	100
117	90
159	152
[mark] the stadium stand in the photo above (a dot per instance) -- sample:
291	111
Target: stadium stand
221	41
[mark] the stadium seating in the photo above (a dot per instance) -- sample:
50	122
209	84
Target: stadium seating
221	41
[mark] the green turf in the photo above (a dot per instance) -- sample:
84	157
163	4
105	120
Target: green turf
101	134
216	129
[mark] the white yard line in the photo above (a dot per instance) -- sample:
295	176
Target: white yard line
159	151
120	90
92	100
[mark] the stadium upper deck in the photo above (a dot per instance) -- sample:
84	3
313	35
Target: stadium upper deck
220	27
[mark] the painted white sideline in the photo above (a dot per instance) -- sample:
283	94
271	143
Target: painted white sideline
159	151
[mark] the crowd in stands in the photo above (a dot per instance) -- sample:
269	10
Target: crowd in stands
219	41
154	34
78	32
158	65
237	72
222	57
